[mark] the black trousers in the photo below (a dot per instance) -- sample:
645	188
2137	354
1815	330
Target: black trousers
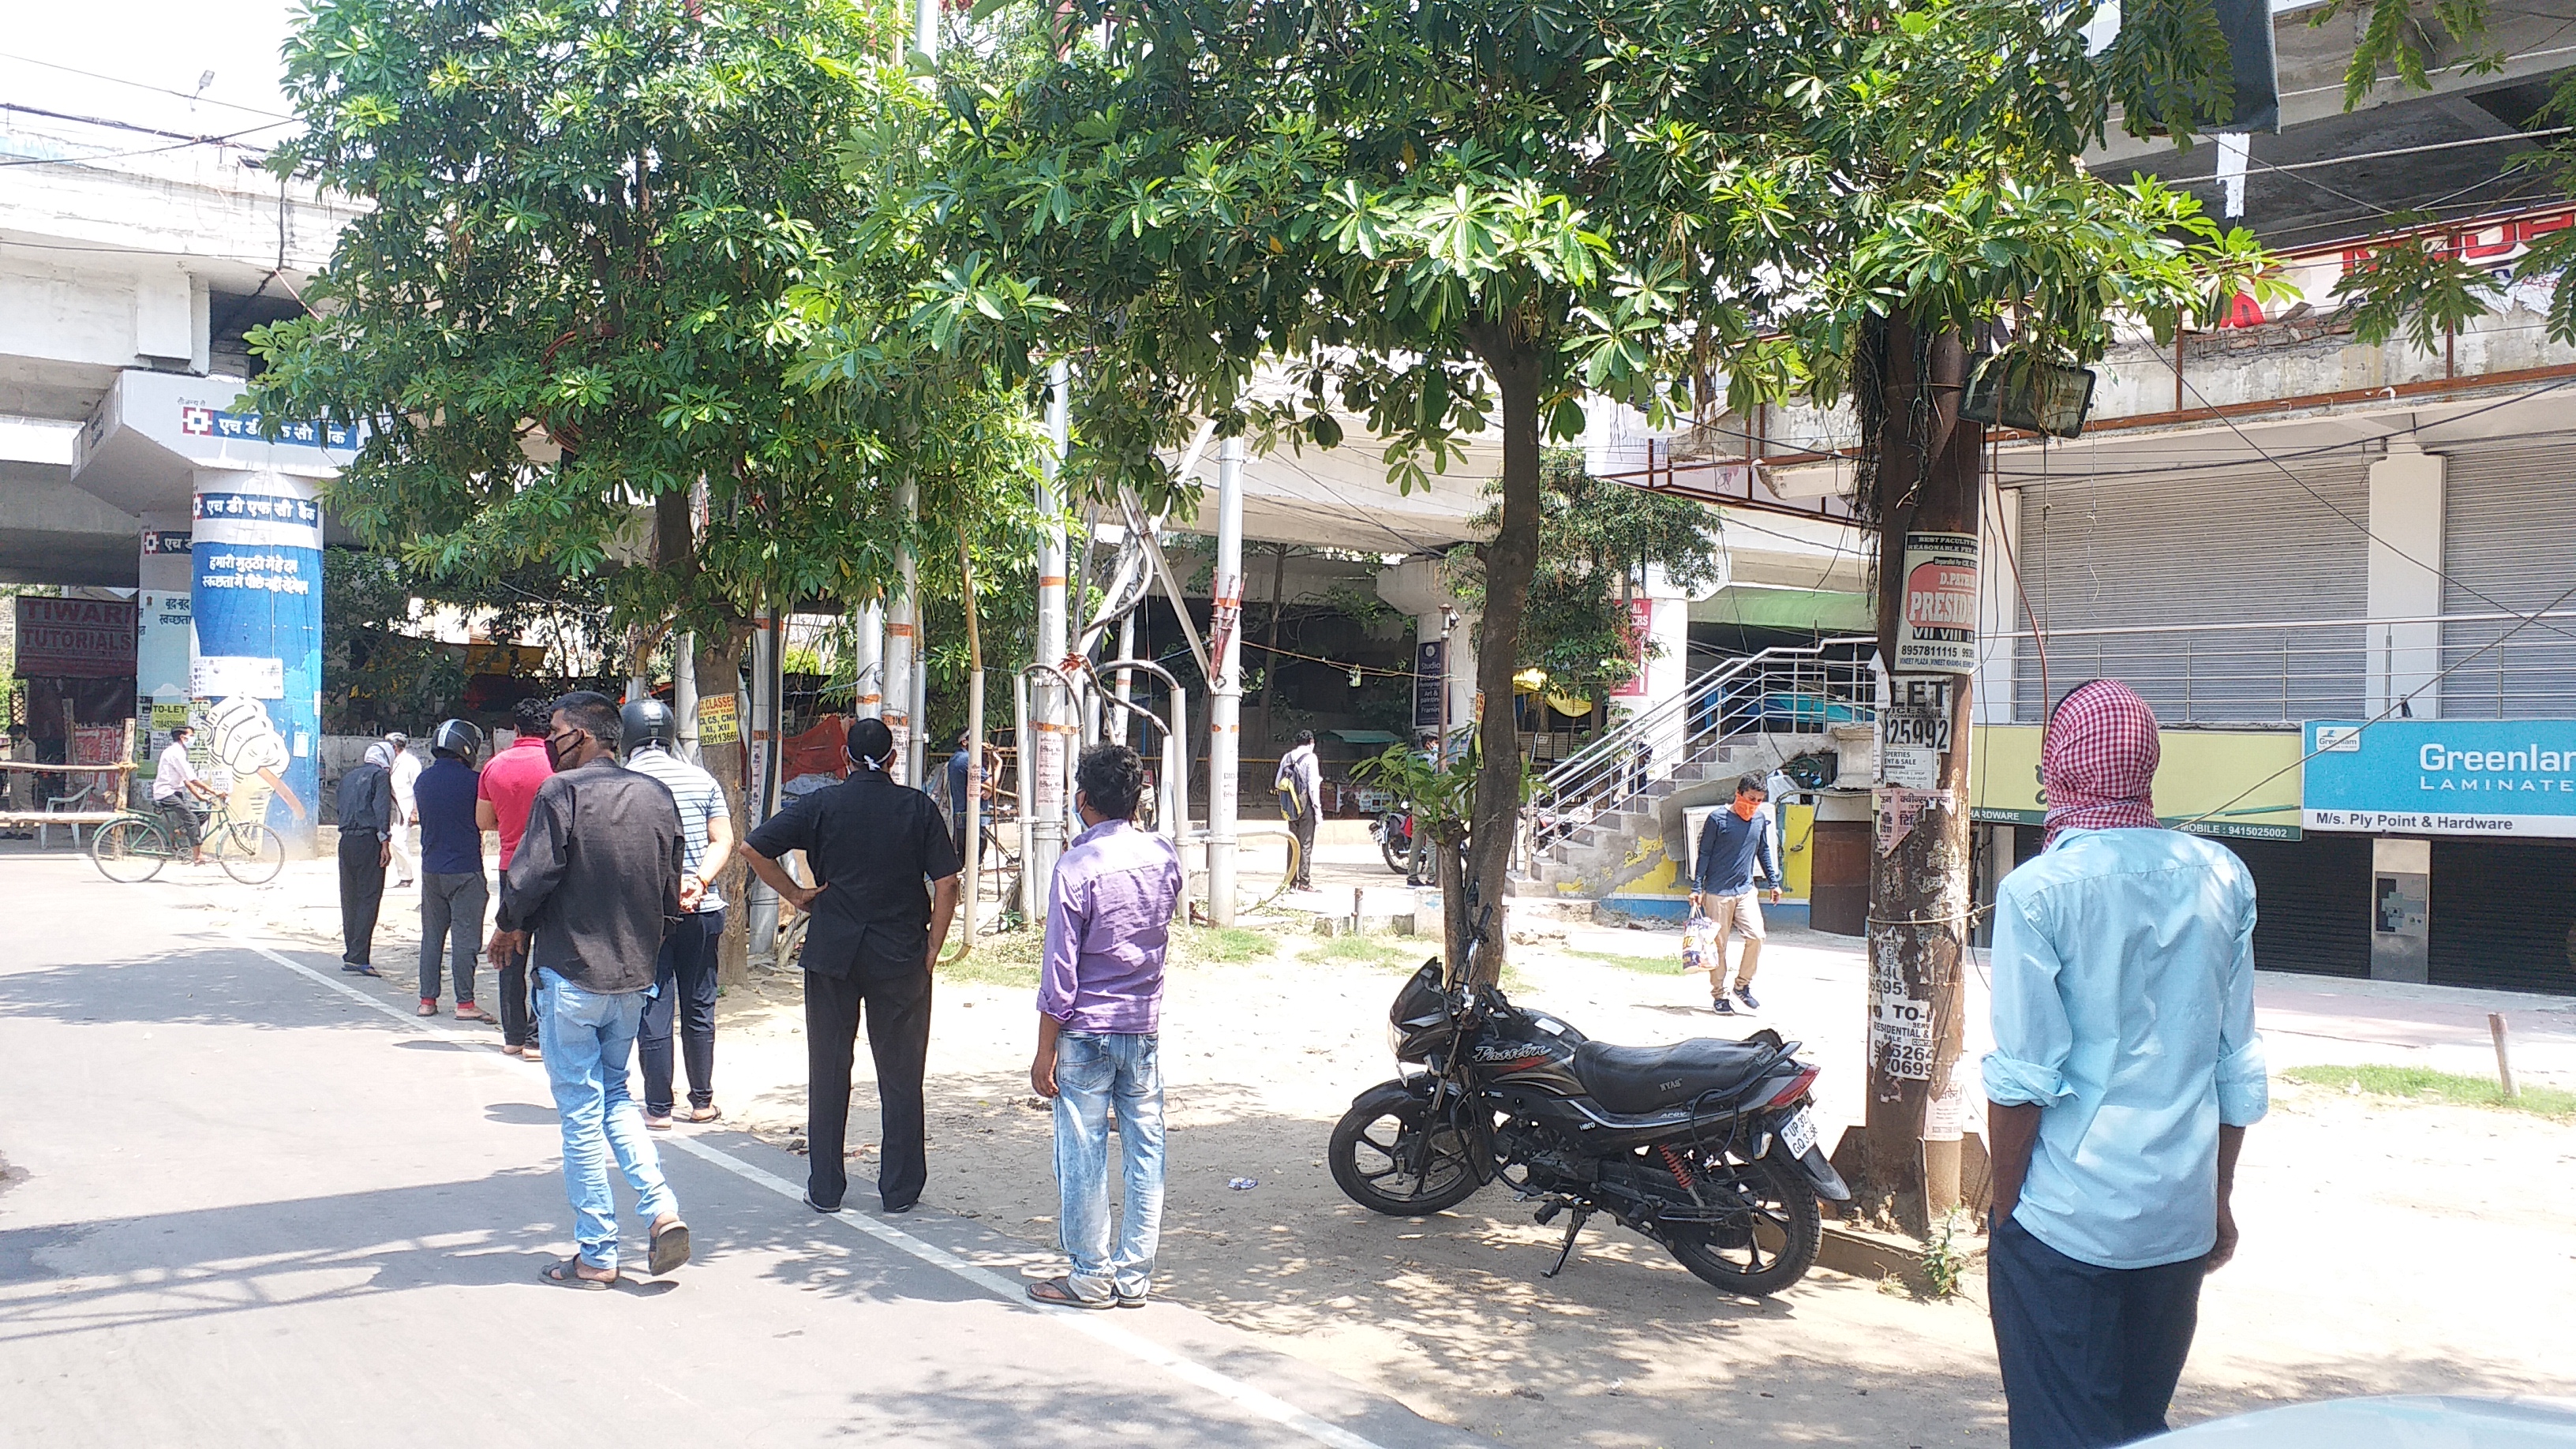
1301	823
898	1018
518	1002
362	895
684	992
2090	1355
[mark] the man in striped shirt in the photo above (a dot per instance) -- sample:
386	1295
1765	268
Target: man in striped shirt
685	979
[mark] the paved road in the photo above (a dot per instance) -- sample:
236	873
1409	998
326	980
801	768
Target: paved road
245	1205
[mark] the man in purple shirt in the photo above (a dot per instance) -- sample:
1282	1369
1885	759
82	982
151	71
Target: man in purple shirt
1100	1006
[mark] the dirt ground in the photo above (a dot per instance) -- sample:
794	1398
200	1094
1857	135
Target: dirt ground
2388	1247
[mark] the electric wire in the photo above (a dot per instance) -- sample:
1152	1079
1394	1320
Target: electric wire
144	86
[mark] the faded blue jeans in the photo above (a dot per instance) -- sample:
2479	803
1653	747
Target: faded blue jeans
1093	1071
588	1037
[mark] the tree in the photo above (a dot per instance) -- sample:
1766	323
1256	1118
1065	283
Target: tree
574	316
1462	215
1594	538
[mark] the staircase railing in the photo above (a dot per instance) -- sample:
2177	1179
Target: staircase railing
1790	689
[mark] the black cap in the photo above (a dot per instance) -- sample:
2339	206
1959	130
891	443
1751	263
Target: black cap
870	744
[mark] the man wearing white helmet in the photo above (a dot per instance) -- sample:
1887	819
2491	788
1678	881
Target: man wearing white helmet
404	768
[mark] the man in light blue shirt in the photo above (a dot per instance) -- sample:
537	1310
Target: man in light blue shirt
2126	1069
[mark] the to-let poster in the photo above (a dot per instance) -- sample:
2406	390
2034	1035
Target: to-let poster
1936	629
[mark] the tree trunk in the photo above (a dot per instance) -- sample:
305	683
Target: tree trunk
1511	561
720	673
1920	891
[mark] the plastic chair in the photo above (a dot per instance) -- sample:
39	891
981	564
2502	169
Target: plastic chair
54	803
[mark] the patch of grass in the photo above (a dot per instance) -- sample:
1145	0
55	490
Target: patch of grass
1009	959
1222	945
2420	1084
1385	952
1649	965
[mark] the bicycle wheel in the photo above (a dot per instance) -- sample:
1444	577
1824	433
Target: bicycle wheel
250	853
129	851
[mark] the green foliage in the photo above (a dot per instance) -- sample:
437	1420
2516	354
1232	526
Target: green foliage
1946	1258
1383	953
1442	796
1670	965
1592	535
377	674
579	292
2422	1084
1221	945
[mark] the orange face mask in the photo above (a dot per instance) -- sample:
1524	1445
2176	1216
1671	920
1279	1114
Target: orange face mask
1745	806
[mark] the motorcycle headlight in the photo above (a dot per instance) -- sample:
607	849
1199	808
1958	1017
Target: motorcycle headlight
1394	1040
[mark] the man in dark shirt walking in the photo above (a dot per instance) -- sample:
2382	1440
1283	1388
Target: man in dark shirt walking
1735	846
596	878
885	887
366	844
452	892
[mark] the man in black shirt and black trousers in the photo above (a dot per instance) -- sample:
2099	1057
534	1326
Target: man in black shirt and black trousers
885	874
366	843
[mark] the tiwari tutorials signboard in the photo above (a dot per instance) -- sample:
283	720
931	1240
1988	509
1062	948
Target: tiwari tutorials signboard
2442	777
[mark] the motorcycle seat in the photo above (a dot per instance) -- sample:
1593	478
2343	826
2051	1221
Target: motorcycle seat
1644	1079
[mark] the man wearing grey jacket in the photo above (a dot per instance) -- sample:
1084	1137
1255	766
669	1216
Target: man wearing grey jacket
597	880
366	843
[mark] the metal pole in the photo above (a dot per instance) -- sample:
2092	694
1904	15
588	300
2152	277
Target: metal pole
1028	825
916	762
870	657
762	738
1049	800
684	694
1225	693
902	644
1126	677
973	823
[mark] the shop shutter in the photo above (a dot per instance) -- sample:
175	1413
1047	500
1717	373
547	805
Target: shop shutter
2198	548
2311	903
2508	546
2502	912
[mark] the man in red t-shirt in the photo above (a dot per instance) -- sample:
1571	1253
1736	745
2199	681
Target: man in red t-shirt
501	803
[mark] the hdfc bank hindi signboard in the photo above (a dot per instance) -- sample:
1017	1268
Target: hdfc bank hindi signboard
1936	629
75	638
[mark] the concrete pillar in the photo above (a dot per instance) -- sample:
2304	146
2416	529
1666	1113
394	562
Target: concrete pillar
160	640
1443	636
2406	511
1664	611
1225	691
256	660
1998	608
870	654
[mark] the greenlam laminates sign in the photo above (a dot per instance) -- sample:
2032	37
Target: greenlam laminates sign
2442	777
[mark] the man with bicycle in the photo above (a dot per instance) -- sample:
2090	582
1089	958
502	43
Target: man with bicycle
176	786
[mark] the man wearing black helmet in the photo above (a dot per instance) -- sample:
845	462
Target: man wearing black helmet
685	978
885	874
452	891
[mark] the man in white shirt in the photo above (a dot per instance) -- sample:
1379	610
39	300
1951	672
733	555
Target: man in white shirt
406	772
175	784
1300	783
684	977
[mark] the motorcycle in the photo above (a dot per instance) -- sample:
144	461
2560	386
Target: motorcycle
1393	832
1708	1147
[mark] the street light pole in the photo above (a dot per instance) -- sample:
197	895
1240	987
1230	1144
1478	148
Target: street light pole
1225	703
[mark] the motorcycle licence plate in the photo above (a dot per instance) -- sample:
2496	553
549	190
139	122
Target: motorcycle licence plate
1798	1132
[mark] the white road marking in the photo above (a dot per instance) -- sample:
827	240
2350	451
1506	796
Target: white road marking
1255	1401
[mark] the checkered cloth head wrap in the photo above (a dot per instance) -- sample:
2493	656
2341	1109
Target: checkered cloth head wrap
380	753
2098	763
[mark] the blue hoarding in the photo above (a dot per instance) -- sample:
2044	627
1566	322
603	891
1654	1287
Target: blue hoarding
2442	777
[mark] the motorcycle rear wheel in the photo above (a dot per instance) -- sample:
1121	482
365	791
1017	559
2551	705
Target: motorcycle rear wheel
1398	854
1395	1157
1784	1234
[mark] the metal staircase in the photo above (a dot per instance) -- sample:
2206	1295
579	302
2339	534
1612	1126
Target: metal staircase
1595	809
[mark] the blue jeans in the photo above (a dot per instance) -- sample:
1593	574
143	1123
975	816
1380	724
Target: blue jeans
587	1037
1093	1070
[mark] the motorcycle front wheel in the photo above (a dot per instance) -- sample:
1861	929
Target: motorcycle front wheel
1766	1249
1397	851
1392	1154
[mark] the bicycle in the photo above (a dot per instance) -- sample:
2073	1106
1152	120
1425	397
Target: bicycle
132	848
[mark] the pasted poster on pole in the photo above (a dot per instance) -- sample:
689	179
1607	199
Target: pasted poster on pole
1900	1025
1936	629
719	720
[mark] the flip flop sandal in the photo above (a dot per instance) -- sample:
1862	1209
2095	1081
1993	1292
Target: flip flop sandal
470	1012
567	1274
426	1008
705	1114
354	969
1058	1293
670	1248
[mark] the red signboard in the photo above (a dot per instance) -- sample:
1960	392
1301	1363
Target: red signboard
75	639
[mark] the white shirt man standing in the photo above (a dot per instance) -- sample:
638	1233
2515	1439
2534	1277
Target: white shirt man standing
406	772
